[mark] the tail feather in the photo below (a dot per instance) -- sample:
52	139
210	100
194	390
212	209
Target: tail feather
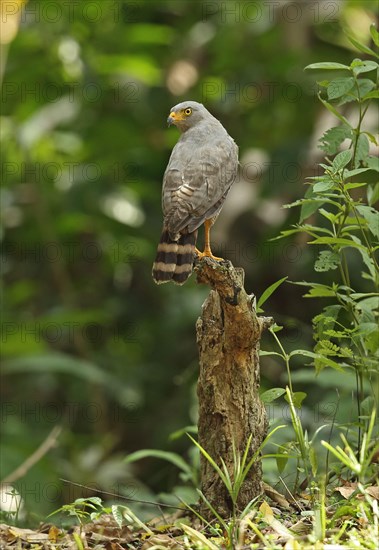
174	259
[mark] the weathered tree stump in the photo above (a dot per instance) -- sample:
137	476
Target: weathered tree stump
228	337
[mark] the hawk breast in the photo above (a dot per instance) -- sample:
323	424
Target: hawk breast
197	180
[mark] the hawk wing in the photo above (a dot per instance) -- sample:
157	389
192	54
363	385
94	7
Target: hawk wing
196	183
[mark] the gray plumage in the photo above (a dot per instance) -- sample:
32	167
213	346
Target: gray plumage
202	168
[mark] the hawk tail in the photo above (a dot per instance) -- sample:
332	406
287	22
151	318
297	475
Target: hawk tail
174	259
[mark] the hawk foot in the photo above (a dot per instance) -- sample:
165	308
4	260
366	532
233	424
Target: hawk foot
207	254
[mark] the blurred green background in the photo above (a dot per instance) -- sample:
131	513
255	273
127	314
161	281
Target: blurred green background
89	342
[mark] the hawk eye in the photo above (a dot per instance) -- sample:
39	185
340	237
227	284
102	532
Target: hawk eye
188	111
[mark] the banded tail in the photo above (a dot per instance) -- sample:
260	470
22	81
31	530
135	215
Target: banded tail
174	260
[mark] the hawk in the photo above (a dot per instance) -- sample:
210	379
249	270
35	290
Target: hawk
201	170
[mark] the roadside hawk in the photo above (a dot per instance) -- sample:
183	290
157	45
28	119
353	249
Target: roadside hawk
202	168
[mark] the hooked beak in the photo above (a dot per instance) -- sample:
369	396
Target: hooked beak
171	119
174	118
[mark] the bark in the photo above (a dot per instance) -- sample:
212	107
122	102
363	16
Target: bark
228	337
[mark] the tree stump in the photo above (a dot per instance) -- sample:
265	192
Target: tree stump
228	337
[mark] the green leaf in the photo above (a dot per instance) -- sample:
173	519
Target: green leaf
131	518
303	352
275	328
264	353
361	47
297	398
371	95
365	85
355	185
327	66
311	229
372	340
328	215
373	163
362	149
272	394
322	186
320	292
196	538
117	515
286	233
368	328
369	305
267	293
347	98
59	363
355	172
360	295
325	321
281	459
341	160
332	138
367	260
91	502
182	431
309	206
174	458
360	66
372	217
321	362
374	34
339	87
313	460
54	363
340	242
210	460
299	202
327	261
373	194
334	111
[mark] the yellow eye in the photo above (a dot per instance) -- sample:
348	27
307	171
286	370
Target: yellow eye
188	111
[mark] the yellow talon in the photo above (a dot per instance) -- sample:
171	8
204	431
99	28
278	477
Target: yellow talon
207	246
208	254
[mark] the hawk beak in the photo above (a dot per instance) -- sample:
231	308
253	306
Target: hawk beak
174	118
171	119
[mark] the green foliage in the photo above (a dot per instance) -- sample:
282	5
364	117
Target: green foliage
92	508
88	342
233	482
188	473
125	516
339	216
83	509
342	194
363	465
267	293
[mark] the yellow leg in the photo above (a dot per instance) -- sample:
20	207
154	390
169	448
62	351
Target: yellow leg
207	243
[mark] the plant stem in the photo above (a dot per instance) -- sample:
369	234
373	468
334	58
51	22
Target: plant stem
285	359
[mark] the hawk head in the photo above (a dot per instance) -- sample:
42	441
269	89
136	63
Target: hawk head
187	114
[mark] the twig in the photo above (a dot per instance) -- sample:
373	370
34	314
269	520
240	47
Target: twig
121	497
44	448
